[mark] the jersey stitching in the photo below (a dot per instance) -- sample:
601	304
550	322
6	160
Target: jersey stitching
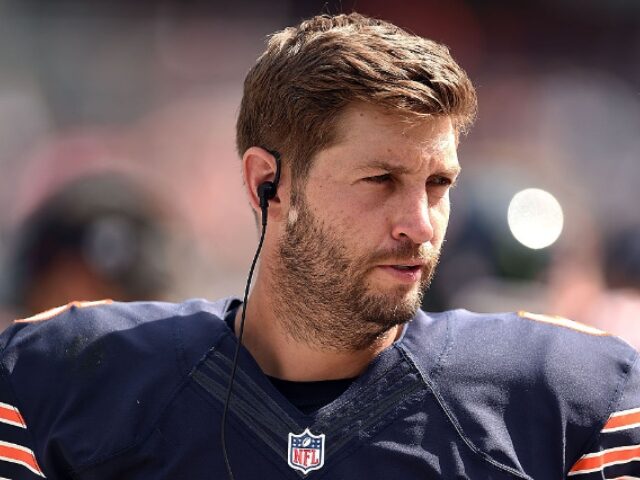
256	440
377	411
181	358
253	404
448	348
375	416
458	428
265	423
249	386
239	405
248	415
363	393
253	390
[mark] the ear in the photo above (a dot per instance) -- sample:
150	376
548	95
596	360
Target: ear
259	166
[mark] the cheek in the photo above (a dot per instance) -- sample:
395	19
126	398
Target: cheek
354	224
440	218
339	204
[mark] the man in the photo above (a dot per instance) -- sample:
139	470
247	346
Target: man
341	374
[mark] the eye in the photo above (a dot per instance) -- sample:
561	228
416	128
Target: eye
440	181
386	177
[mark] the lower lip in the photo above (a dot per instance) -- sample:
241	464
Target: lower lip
406	276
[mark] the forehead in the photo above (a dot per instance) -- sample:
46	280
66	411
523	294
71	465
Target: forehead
369	130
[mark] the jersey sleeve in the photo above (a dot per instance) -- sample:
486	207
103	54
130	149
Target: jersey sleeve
17	458
615	453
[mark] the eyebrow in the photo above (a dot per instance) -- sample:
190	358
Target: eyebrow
453	170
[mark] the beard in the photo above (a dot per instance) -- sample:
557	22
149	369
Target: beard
322	293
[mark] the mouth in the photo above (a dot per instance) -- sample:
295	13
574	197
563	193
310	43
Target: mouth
407	268
405	273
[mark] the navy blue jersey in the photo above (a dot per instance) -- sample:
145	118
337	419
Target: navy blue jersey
135	391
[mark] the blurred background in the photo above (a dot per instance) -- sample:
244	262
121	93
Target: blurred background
119	177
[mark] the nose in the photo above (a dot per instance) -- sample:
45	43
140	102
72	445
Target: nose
412	219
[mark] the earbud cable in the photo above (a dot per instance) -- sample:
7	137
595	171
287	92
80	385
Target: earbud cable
237	352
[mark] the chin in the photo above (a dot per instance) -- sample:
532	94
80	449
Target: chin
399	294
393	308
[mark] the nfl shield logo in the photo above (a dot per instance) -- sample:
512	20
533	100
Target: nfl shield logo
306	451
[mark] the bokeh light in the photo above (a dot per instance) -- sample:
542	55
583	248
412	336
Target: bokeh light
535	218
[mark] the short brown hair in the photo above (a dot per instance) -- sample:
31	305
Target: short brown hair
309	74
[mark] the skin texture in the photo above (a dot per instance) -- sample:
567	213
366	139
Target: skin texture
329	295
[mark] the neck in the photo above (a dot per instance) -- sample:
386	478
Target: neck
288	356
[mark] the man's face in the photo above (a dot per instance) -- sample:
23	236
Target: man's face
364	232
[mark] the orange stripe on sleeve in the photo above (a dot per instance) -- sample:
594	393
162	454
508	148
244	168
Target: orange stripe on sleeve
54	312
10	415
562	322
10	452
623	420
594	462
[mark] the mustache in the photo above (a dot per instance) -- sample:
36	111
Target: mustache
407	252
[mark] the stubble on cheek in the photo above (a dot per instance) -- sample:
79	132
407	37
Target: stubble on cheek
325	294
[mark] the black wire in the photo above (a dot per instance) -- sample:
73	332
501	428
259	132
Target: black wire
235	356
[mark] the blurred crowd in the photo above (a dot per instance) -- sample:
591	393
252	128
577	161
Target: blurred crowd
119	176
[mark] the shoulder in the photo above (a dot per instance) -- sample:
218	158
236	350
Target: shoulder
537	353
77	329
83	338
70	366
511	380
520	345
